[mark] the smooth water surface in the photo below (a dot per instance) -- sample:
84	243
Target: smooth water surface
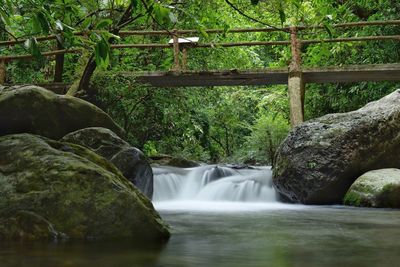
228	218
298	236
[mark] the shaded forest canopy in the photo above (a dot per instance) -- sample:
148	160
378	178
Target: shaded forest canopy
241	124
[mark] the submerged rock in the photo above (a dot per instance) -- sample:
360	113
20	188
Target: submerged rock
27	226
321	158
129	160
377	188
32	109
72	189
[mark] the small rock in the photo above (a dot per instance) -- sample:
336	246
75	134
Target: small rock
377	188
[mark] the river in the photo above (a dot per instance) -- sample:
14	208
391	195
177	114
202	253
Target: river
222	217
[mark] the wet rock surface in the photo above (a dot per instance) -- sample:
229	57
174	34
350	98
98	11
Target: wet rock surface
321	158
129	160
51	189
377	188
32	109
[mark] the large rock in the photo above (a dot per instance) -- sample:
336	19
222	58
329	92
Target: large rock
129	160
167	160
321	158
377	188
32	109
70	191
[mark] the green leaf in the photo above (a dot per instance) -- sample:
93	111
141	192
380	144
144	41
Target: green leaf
42	20
5	18
31	45
202	31
86	23
135	3
102	53
282	15
161	13
328	28
103	24
254	2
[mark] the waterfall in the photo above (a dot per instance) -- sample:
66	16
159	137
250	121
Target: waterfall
213	183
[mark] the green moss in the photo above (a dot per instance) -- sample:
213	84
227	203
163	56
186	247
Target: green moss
26	226
32	109
389	196
78	191
352	199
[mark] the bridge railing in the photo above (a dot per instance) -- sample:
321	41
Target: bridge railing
295	79
181	48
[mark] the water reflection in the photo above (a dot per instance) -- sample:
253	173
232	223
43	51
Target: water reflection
317	236
297	236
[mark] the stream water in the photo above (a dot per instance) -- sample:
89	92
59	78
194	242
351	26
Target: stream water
222	217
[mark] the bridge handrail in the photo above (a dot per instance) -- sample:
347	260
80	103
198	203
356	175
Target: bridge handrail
213	31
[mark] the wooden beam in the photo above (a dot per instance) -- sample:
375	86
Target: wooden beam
353	73
352	39
332	74
343	74
213	78
211	31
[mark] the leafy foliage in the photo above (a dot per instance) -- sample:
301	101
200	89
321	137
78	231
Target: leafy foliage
212	124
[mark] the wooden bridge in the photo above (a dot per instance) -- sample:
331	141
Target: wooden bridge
294	75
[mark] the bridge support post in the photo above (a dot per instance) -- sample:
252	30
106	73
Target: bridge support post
3	73
184	58
175	39
296	88
59	68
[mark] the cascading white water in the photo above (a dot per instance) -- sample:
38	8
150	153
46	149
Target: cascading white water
213	183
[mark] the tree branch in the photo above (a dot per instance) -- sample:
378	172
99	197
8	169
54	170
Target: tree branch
251	18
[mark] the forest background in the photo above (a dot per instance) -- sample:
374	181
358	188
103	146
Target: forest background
210	124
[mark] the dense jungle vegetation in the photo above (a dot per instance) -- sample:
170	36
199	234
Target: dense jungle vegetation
233	124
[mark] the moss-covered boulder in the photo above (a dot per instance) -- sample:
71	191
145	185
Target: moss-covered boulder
377	188
27	226
129	160
72	189
167	160
32	109
321	158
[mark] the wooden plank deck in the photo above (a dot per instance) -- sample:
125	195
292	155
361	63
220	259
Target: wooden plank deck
351	73
342	74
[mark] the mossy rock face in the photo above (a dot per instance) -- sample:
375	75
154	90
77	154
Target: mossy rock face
79	193
32	109
27	226
377	188
321	158
167	160
129	160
